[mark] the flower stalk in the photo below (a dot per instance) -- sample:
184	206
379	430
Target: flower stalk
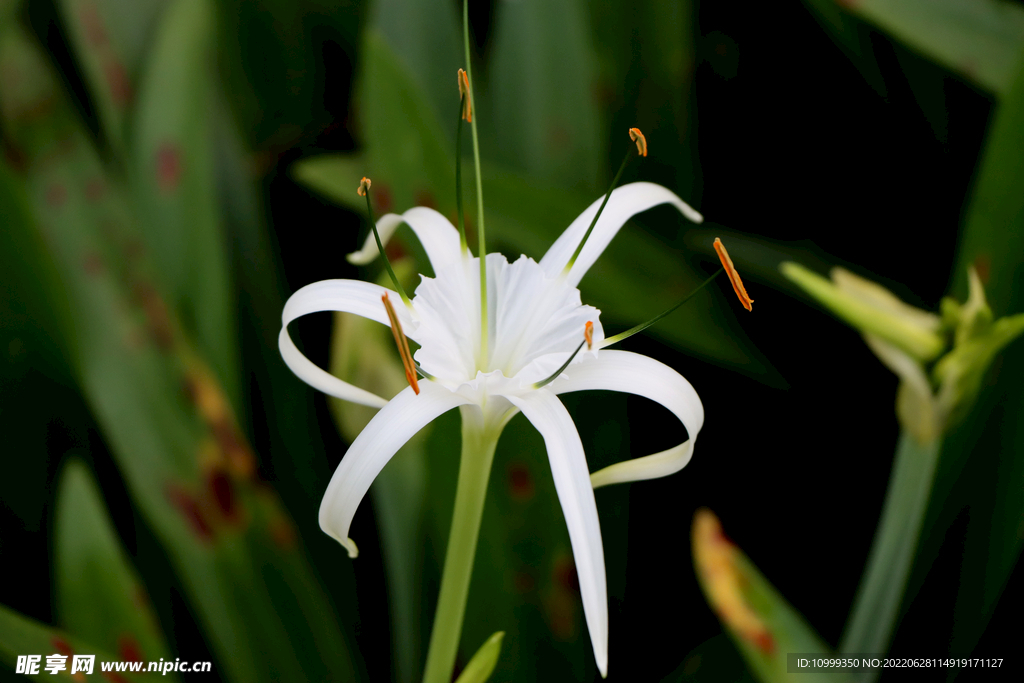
479	440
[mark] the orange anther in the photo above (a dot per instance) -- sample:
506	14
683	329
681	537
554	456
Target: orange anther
588	334
364	185
467	104
403	345
641	142
734	277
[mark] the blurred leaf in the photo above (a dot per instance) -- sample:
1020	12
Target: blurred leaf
482	665
426	37
542	83
762	624
173	175
20	635
978	39
99	595
992	438
168	423
852	37
876	608
110	38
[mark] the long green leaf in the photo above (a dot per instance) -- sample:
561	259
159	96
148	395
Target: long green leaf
979	39
763	625
99	595
542	106
184	460
21	636
173	173
876	608
985	453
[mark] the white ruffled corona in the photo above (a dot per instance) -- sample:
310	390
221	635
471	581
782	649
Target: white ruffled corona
535	322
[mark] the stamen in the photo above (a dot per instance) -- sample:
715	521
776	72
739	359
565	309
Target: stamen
587	339
643	326
641	146
588	334
641	142
364	191
734	277
403	345
467	103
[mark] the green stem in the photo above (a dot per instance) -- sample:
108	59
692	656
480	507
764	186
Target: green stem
478	443
458	178
481	232
615	181
383	256
876	608
608	341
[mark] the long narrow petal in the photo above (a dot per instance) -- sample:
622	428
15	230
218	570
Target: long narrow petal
396	423
438	236
350	296
625	202
635	374
572	482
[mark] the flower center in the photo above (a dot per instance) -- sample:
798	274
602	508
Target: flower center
534	322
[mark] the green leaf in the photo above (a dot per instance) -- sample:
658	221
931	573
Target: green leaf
980	467
20	636
542	108
482	665
852	37
876	608
174	182
99	595
110	38
760	621
978	39
168	423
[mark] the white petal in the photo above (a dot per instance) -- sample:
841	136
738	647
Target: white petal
439	238
625	202
572	482
635	374
350	296
388	431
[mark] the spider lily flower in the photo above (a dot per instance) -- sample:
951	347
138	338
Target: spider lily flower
536	321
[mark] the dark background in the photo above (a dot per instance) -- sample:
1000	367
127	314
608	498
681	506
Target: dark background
795	145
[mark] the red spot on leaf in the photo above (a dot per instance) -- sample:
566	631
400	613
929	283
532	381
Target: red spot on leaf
564	575
94	189
190	510
223	492
92	264
983	266
168	167
118	83
56	195
764	642
92	24
282	533
128	648
62	646
523	582
114	677
520	482
426	198
382	198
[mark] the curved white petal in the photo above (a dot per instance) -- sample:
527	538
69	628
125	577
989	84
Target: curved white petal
350	296
625	202
572	482
635	374
388	431
438	236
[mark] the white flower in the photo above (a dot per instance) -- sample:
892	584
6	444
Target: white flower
535	322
